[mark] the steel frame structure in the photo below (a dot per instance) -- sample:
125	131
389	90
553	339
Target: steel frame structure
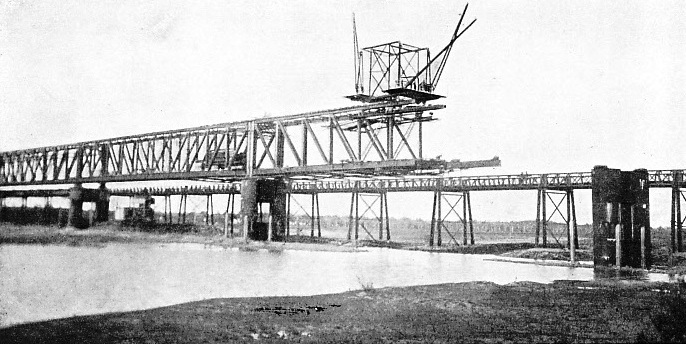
394	64
455	201
556	198
312	215
357	220
398	68
323	143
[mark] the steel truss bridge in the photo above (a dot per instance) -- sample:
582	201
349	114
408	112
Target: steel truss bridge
383	138
367	149
373	148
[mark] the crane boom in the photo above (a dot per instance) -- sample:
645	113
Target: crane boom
443	55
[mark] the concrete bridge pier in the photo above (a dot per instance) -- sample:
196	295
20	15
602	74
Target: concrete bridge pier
47	207
75	218
255	193
677	219
102	204
78	195
2	206
621	218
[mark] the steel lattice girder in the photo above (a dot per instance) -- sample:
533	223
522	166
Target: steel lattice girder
323	142
550	181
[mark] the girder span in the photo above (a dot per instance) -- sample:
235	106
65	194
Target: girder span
373	139
549	181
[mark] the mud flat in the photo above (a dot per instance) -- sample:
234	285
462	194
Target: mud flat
465	312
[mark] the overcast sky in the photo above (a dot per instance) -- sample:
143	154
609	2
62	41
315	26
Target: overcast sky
548	86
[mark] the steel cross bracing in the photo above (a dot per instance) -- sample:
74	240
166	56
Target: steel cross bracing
366	140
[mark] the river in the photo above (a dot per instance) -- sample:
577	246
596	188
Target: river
53	281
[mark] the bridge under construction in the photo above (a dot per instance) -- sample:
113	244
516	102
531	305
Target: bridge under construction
371	148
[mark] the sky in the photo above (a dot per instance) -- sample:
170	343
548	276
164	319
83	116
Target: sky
548	86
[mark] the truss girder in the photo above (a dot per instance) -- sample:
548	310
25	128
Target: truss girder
317	142
581	180
552	181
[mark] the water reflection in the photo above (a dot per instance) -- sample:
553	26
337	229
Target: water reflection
610	273
46	282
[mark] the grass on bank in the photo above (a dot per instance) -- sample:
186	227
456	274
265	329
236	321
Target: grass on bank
463	312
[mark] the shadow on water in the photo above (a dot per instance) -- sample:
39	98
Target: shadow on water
630	274
623	274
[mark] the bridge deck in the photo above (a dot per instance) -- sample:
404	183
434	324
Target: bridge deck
550	181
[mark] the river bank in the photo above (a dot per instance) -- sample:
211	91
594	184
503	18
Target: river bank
461	312
104	234
110	233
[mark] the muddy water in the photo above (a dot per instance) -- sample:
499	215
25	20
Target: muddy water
47	282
